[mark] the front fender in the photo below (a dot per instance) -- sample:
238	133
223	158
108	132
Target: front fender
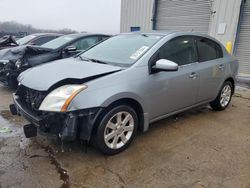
123	95
102	99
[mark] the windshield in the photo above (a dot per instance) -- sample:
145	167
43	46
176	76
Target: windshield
121	50
25	40
58	42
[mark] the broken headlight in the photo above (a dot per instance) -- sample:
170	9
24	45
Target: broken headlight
59	99
18	64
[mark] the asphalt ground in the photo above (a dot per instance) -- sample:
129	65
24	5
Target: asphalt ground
198	148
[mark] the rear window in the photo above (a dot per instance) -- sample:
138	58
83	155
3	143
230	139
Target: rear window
25	40
208	50
59	42
42	40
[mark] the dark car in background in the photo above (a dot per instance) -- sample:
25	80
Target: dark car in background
18	59
37	39
33	39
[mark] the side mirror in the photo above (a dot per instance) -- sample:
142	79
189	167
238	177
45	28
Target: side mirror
70	49
165	65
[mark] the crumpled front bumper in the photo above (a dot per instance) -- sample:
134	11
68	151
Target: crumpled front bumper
74	125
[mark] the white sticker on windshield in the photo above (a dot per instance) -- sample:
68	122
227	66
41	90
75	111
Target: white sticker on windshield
139	52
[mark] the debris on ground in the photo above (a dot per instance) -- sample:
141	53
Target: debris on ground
5	130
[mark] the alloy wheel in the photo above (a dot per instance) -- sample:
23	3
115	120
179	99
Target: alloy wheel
225	95
119	130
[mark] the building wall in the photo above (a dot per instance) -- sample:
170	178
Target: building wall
227	11
140	13
136	13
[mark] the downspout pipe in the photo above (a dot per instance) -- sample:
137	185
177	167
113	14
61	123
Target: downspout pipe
154	14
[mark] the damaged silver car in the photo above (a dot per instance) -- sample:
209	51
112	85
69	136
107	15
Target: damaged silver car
120	86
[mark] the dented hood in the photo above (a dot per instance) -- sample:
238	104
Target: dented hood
20	52
44	76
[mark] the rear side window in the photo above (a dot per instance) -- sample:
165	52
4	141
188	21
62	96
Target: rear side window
208	50
180	50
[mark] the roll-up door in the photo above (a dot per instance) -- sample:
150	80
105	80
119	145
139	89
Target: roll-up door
242	48
183	15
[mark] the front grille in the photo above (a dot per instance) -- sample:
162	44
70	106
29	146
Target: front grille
31	98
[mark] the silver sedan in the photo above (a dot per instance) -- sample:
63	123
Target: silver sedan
120	86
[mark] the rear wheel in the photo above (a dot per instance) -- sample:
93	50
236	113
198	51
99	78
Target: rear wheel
224	97
116	130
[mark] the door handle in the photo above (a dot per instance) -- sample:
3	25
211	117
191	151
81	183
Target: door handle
221	66
193	75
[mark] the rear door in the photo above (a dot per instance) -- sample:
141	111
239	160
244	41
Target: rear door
211	68
173	90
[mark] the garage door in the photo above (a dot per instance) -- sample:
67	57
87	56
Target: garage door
183	15
242	50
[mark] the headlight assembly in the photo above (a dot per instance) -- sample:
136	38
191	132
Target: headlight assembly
59	99
18	63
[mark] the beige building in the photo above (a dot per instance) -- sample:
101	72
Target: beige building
226	20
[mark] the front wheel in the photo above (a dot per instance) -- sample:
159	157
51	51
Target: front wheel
116	130
224	97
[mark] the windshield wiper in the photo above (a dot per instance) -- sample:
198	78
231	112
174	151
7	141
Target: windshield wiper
91	60
84	58
97	61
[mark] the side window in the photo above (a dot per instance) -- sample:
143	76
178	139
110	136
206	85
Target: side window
180	50
208	49
85	43
42	40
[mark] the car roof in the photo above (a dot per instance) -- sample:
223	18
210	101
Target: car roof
165	33
77	35
43	34
177	33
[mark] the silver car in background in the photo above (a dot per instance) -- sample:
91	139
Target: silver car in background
120	86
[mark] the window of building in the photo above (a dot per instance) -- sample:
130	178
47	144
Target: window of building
134	29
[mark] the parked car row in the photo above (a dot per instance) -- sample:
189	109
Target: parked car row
113	88
15	60
34	39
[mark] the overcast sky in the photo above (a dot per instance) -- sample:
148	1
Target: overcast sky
81	15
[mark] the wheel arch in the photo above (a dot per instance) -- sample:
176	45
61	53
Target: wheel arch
135	104
230	79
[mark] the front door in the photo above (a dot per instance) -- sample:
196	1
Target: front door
174	90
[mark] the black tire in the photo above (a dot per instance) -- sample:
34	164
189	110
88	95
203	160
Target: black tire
216	104
99	140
